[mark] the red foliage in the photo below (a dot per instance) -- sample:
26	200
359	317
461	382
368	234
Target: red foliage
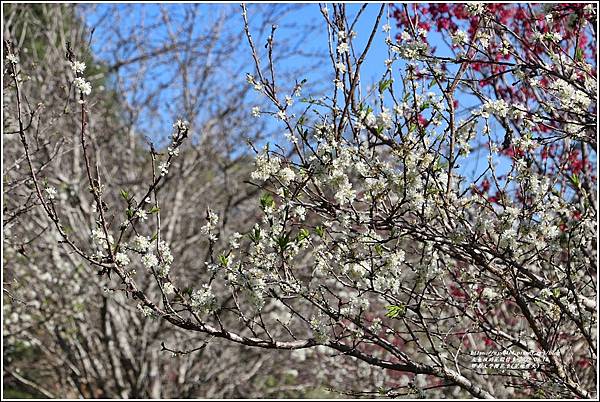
492	67
456	292
485	185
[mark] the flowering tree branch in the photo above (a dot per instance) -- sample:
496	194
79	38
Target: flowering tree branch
371	238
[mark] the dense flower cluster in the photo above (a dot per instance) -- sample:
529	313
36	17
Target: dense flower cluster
80	83
83	86
203	301
266	166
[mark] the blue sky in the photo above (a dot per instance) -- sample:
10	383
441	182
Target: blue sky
371	71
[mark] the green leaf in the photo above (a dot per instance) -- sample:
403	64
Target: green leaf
395	311
283	241
575	179
223	260
319	231
255	235
385	84
303	234
125	195
267	200
154	209
579	54
378	249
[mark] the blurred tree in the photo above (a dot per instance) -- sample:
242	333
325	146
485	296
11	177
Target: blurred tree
66	333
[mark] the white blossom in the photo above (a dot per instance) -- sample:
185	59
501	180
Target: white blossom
181	125
82	85
300	212
168	288
210	226
395	259
551	231
77	67
286	175
265	167
459	37
165	252
553	37
341	67
345	193
140	243
50	192
99	238
298	90
498	107
234	241
370	120
590	9
163	168
145	310
149	261
163	270
384	119
122	259
476	8
489	294
319	328
343	48
203	300
141	214
213	218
